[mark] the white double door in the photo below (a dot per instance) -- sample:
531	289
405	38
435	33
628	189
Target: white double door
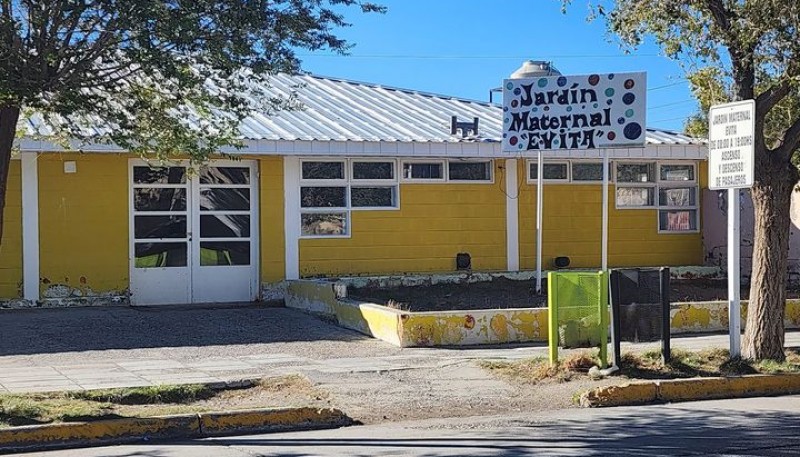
193	233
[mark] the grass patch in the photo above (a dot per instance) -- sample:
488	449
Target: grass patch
712	362
149	395
538	369
72	406
647	365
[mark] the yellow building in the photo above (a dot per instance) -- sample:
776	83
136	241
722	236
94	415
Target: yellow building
366	180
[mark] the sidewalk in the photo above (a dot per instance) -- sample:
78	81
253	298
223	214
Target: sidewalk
91	348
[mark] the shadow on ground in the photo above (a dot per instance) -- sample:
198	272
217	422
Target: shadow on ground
663	431
43	331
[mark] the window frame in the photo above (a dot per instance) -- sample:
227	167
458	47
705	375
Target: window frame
489	162
566	162
669	184
636	184
345	173
348	182
441	162
572	180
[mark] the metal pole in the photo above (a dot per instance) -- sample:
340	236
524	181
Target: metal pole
604	241
734	313
539	203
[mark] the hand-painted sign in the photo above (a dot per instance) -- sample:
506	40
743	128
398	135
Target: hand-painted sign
574	112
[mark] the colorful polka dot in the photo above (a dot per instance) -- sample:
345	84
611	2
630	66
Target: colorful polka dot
628	98
632	131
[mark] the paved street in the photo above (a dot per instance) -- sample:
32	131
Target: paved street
88	348
748	427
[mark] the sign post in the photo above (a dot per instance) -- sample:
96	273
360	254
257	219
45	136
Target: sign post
569	113
731	166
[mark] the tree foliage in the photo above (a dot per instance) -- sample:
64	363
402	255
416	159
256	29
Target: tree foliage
157	77
738	50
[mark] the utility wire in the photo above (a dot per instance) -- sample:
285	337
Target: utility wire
457	57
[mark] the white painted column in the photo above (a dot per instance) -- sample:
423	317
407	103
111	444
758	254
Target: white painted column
539	216
291	216
30	226
604	230
734	277
512	216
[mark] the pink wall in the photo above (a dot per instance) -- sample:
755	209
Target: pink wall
715	232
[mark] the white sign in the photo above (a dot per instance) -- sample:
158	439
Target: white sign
574	112
731	127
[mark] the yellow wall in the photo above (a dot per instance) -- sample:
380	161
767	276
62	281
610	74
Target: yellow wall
572	228
83	220
434	223
11	244
272	242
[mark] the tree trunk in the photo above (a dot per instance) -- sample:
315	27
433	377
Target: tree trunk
9	115
772	193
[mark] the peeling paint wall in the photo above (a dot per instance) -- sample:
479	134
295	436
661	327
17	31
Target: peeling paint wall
715	233
11	246
473	327
713	316
83	224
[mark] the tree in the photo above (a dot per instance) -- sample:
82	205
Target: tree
739	50
155	77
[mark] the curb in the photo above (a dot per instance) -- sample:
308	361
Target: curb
131	430
679	390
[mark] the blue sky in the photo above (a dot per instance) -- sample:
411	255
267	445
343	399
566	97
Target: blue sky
465	47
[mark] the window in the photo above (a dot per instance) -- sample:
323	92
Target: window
636	185
589	171
373	197
469	171
323	170
323	197
677	220
373	170
635	197
552	171
432	171
671	172
677	198
331	189
636	172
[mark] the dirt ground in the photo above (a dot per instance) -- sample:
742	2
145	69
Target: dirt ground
504	293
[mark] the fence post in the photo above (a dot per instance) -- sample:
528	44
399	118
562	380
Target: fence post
666	328
552	317
603	284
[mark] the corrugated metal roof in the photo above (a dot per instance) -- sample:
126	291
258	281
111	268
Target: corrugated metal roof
342	110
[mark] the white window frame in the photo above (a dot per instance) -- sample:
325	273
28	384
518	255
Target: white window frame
348	183
385	183
490	162
402	167
531	180
668	184
585	161
650	184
